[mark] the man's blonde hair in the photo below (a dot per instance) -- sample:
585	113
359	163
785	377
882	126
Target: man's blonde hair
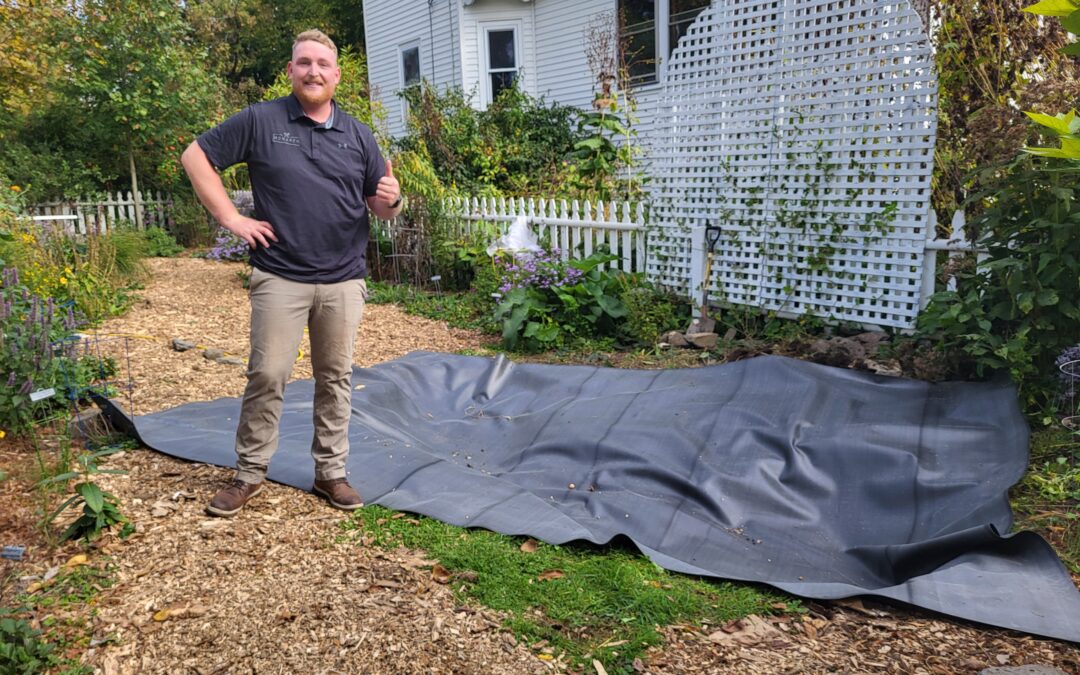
315	35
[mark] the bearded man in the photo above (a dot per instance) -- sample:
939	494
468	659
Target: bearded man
315	174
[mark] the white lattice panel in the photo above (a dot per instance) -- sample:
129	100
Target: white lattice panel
783	121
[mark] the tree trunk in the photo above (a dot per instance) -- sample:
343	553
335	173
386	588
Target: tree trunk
135	190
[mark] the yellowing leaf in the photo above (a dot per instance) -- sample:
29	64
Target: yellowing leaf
551	574
76	560
529	546
545	657
1053	7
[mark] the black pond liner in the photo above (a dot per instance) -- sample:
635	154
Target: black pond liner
824	482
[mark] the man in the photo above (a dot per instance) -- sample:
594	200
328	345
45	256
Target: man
315	173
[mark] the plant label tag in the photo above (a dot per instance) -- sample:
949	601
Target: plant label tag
42	394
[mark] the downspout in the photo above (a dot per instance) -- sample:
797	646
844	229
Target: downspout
454	55
431	39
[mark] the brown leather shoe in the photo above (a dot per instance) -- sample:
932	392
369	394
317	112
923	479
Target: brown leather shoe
230	499
339	493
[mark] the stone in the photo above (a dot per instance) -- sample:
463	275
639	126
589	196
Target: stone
703	340
231	361
837	351
182	345
674	338
213	354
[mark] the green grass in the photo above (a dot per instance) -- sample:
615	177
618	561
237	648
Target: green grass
586	602
1048	497
461	310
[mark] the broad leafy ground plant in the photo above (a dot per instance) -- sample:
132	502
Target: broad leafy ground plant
547	303
1019	308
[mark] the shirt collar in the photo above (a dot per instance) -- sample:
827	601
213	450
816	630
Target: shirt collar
296	112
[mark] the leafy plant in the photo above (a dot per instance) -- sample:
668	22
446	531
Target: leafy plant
161	244
22	647
33	353
100	509
651	312
548	302
1018	307
1065	126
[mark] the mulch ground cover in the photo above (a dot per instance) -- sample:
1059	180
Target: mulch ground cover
281	588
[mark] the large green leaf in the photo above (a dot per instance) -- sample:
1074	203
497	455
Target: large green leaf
1061	123
95	499
1053	7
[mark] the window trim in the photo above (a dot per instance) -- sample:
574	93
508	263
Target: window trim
402	48
486	70
662	39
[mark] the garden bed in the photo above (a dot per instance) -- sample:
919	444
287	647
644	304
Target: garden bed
283	588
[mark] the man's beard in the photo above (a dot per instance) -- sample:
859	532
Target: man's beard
313	97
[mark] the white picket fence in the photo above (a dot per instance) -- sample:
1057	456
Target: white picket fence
575	229
81	216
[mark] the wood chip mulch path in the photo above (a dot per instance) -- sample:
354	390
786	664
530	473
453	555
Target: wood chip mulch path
281	588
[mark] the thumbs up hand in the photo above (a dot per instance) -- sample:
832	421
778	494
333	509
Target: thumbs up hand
388	192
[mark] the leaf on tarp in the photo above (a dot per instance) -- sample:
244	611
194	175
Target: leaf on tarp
530	546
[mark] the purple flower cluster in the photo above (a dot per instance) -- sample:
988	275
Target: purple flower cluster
228	247
31	327
537	270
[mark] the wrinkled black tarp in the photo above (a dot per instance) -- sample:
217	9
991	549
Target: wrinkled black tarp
821	481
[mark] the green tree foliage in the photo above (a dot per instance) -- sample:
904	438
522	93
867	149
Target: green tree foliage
994	60
249	41
132	90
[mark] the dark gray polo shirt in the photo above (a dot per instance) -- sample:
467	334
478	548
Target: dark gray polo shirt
310	182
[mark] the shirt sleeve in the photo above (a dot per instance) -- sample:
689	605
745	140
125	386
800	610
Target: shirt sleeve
374	164
229	142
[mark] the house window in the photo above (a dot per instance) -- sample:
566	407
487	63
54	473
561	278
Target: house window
500	50
649	30
683	13
410	66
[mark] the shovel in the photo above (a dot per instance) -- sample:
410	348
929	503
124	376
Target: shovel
705	323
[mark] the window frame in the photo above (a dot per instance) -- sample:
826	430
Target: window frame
661	39
486	71
403	84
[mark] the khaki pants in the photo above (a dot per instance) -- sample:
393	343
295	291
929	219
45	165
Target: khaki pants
280	309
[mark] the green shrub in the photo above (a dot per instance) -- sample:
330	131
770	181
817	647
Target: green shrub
96	272
548	303
161	244
519	145
1016	309
651	312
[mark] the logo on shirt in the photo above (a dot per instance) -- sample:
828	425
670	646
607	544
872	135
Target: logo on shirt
286	138
343	146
